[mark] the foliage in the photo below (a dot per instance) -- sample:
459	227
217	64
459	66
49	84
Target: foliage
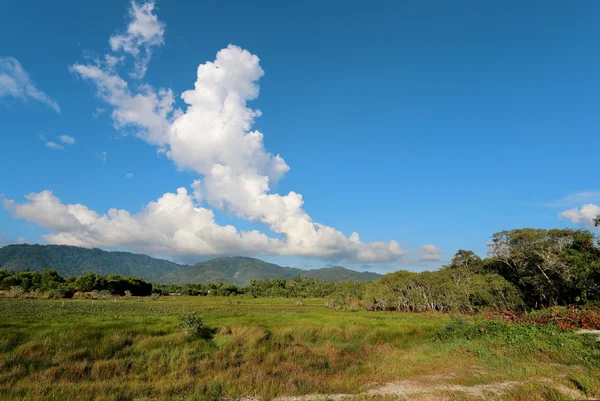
526	338
458	287
193	325
562	317
297	287
346	295
50	284
550	267
113	283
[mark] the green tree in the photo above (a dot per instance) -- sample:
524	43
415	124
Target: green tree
550	267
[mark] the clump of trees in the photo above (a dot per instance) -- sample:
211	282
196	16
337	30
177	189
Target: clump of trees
550	267
50	284
462	286
112	283
298	287
525	268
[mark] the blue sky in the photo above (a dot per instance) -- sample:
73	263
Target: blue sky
415	124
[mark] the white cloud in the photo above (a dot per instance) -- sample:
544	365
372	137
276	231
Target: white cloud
214	138
15	82
8	241
129	175
98	112
147	111
143	33
67	140
429	253
102	156
171	225
584	216
54	145
577	198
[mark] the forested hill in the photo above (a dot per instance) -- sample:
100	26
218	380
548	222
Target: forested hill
76	261
240	270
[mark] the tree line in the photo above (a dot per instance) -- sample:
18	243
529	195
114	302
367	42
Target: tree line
50	284
524	269
297	287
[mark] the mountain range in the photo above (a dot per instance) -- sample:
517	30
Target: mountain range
240	270
230	270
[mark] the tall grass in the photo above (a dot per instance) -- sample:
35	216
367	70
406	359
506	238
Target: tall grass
134	350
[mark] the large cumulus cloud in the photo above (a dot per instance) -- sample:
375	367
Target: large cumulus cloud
214	137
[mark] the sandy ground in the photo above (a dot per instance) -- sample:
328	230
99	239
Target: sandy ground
433	388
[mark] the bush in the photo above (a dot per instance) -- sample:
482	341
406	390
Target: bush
15	291
61	292
193	325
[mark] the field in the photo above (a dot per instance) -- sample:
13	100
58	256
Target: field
132	349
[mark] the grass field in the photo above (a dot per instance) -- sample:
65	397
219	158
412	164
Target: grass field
131	349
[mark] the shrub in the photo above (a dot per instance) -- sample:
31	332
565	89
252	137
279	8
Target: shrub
193	325
60	292
15	291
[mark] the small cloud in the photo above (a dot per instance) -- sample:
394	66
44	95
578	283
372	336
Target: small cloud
15	82
129	176
54	145
430	253
143	34
112	61
585	216
67	140
101	156
98	112
576	199
4	240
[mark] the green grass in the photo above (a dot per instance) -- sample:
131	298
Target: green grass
133	350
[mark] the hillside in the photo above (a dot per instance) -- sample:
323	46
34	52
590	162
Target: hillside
240	270
75	261
338	273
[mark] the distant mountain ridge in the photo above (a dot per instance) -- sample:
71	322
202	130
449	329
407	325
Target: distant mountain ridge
237	270
74	260
240	270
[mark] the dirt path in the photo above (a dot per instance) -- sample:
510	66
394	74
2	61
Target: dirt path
432	388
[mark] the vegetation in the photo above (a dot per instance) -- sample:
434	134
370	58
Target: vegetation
242	270
194	326
525	268
75	261
50	284
495	328
266	347
550	267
